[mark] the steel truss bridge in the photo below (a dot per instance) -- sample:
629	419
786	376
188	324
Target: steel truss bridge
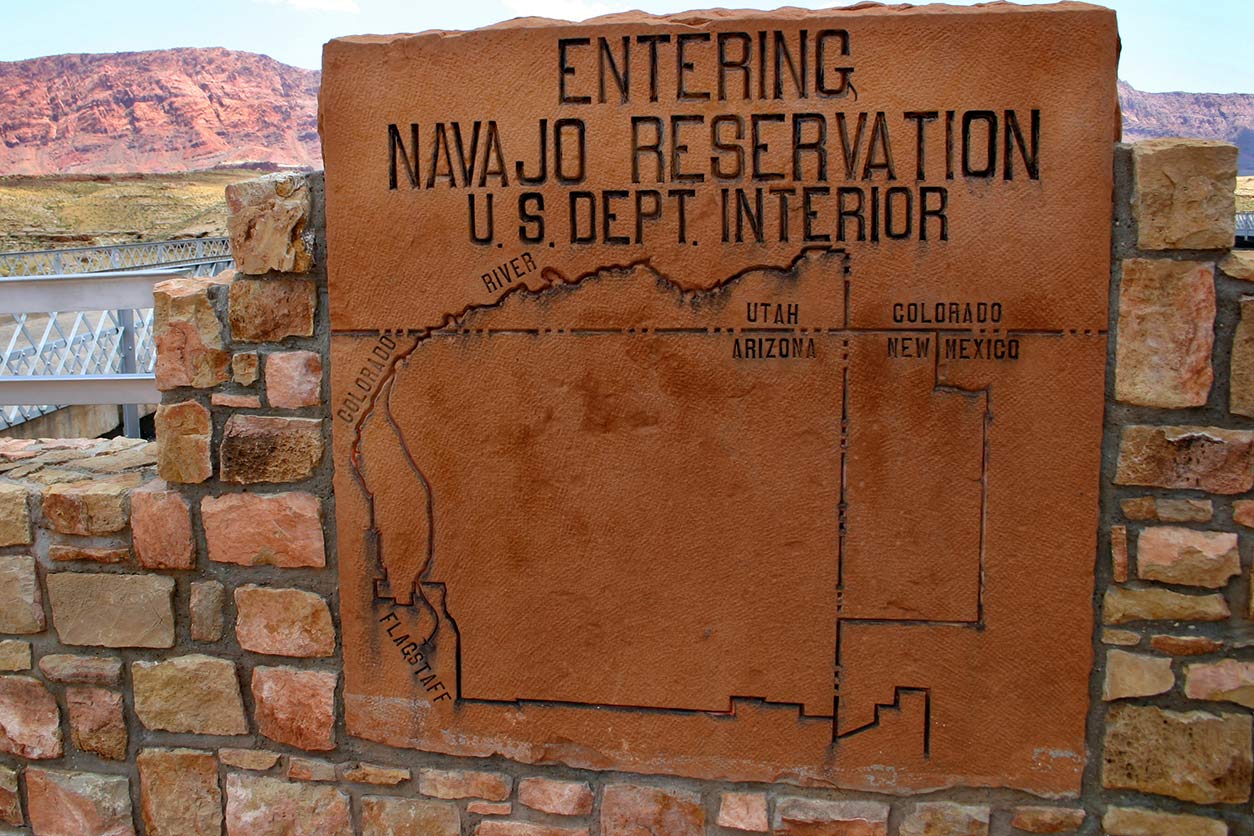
76	324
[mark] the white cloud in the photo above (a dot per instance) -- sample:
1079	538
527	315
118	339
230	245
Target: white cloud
560	9
346	6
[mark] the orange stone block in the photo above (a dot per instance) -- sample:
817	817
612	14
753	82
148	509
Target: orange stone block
97	722
29	719
161	529
293	379
282	529
561	798
733	433
78	803
283	622
180	793
296	707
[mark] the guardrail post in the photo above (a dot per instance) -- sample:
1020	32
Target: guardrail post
130	411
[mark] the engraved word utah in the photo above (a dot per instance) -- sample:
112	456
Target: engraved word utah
721	395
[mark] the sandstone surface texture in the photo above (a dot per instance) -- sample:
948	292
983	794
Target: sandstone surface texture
673	295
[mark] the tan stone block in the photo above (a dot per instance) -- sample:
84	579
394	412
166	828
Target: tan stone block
282	529
258	805
801	816
270	310
497	827
1191	458
65	554
179	792
628	809
1185	194
267	220
205	604
310	769
371	773
112	610
1048	819
1146	508
1228	680
283	622
383	816
460	783
230	401
293	379
14	516
1184	510
187	334
1119	553
1133	821
1239	264
195	694
244	366
1122	605
78	803
1121	638
561	798
21	602
259	448
258	760
1243	512
161	528
1241	366
10	803
1185	645
1139	508
295	707
1166	333
743	811
1193	756
489	808
14	655
1136	675
30	722
183	433
97	723
113	457
92	507
943	818
1184	556
82	670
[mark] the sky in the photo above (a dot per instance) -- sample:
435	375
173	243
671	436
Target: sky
1191	45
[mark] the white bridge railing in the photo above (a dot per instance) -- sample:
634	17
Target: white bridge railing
198	253
82	336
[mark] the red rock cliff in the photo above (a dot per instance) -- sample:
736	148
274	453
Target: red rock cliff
166	110
1225	116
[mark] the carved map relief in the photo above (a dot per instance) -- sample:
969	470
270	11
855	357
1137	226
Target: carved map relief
721	396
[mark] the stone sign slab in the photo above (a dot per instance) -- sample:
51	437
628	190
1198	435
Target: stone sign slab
721	394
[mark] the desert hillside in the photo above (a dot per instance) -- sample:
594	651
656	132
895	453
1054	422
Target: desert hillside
167	110
42	213
1226	116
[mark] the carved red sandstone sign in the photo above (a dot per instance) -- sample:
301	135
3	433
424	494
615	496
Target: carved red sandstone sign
721	394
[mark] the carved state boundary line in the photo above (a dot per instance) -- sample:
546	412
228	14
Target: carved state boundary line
842	332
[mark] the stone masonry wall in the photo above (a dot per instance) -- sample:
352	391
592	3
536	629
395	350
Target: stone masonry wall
170	659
